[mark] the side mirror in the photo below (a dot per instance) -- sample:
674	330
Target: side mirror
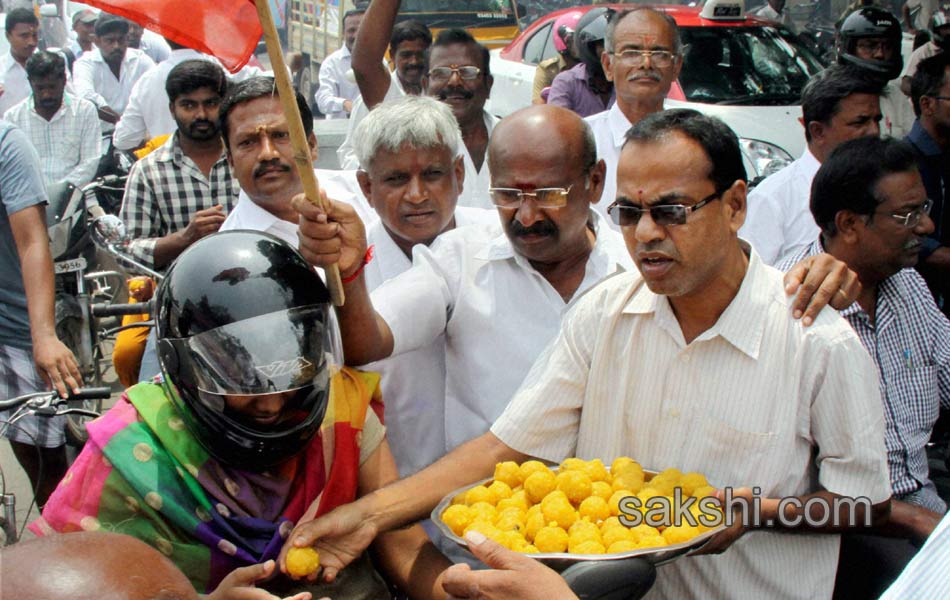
108	230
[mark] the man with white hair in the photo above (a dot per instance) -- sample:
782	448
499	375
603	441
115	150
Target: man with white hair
412	176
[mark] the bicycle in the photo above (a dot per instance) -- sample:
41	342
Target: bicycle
46	404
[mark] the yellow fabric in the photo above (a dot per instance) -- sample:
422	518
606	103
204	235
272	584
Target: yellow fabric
128	350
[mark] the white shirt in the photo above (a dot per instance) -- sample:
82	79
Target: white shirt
413	383
335	86
758	400
147	114
610	130
897	110
496	311
339	185
477	181
155	46
346	153
16	86
68	144
925	51
95	81
778	220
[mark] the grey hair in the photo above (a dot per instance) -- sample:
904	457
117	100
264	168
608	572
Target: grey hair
618	17
416	121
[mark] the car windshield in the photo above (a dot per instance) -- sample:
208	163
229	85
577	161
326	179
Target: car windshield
744	66
459	13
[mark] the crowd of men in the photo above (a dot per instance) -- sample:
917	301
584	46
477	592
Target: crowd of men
559	283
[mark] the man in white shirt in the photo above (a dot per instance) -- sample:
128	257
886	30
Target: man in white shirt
84	26
407	46
149	42
838	104
22	31
643	57
257	142
106	75
64	129
337	89
686	364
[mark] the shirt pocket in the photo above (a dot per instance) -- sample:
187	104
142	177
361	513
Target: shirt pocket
736	457
914	391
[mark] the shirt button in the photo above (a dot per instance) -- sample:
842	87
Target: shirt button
675	413
685	357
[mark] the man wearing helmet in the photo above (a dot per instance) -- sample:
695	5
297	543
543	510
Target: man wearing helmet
584	88
252	427
564	28
870	39
940	34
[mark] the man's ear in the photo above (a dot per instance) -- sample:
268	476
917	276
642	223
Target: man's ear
366	185
605	59
735	202
598	174
850	225
816	130
926	105
459	167
314	149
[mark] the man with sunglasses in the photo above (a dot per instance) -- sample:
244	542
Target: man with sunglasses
839	104
642	57
872	207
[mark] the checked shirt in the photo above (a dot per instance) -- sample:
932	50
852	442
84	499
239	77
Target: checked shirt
165	189
910	344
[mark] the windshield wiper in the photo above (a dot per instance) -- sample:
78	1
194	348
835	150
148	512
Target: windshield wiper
763	99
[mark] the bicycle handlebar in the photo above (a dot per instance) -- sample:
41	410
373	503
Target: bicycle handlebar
90	393
118	310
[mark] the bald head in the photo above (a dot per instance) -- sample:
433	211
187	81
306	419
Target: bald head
543	132
106	566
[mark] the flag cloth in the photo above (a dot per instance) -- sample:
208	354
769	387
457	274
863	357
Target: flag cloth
226	29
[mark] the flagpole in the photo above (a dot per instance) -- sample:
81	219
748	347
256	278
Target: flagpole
298	138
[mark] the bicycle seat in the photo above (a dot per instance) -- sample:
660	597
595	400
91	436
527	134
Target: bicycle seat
611	579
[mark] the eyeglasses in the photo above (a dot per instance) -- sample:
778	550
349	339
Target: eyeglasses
440	74
874	45
912	218
664	215
635	57
555	197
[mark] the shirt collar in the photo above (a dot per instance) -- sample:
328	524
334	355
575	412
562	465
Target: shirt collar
390	256
742	324
250	214
618	123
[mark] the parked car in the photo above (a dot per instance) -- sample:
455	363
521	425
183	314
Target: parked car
747	71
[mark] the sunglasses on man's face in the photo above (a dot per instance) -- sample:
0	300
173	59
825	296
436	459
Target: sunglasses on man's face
626	214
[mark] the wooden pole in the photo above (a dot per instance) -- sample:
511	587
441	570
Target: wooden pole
298	138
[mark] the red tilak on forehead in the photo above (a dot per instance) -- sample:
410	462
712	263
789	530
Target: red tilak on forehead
640	195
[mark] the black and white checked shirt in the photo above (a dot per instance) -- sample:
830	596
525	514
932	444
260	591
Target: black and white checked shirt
165	189
910	345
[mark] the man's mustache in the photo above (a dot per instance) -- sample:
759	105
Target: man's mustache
651	74
264	167
539	228
456	91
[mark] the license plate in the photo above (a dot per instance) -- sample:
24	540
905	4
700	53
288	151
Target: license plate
69	266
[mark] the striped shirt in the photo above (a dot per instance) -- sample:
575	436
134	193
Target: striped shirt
165	189
910	345
757	400
68	144
925	577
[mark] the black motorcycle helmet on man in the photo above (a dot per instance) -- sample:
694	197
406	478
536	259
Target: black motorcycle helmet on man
880	32
242	317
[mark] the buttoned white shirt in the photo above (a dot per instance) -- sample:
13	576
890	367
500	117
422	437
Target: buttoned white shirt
496	311
68	144
477	181
757	400
335	86
610	130
95	81
147	114
16	86
339	185
413	383
778	221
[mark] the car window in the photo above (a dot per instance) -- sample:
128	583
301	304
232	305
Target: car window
744	65
539	46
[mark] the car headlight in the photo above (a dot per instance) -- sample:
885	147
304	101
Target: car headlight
764	157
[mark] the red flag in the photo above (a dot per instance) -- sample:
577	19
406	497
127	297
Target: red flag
226	29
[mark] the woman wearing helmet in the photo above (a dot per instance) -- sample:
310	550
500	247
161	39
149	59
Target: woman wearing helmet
870	40
251	427
584	88
564	28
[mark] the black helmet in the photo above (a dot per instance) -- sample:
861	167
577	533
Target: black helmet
938	20
871	22
591	29
241	313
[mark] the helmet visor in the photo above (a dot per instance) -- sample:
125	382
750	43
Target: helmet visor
277	352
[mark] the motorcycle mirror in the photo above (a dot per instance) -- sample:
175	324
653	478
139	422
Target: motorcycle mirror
108	230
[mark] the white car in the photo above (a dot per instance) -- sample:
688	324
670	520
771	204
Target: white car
744	70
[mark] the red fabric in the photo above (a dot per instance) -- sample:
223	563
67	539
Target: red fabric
226	29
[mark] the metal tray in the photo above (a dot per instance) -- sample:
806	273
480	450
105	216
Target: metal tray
562	560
